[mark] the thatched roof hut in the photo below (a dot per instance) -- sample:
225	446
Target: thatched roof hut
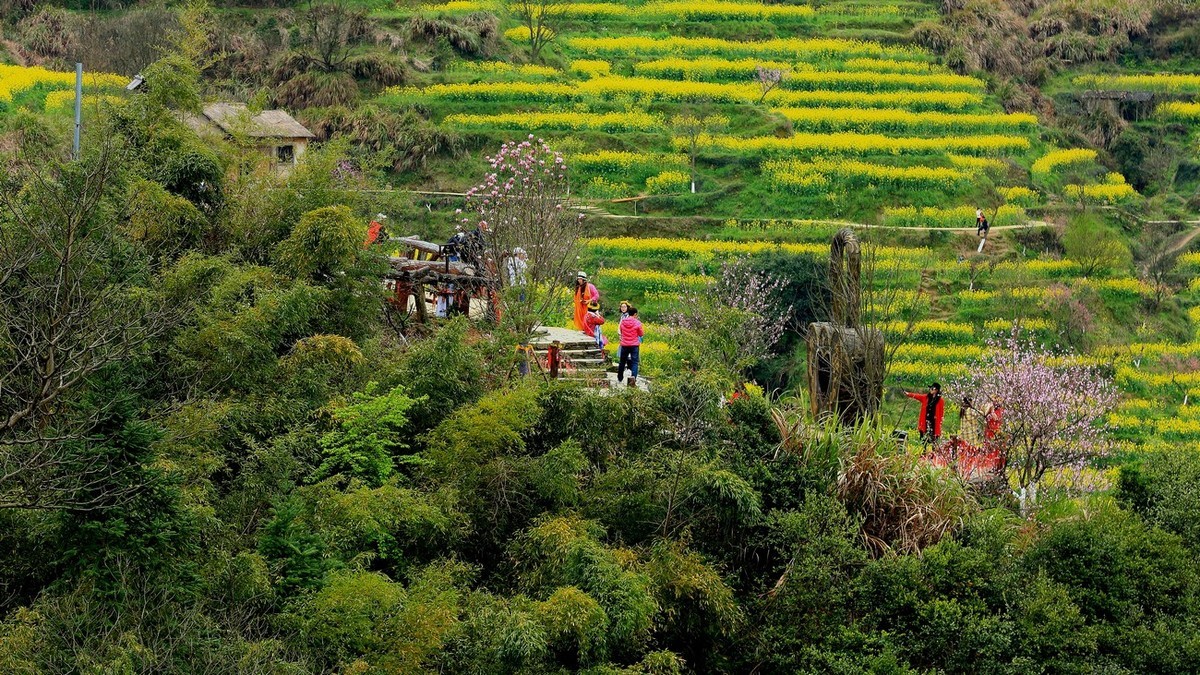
276	133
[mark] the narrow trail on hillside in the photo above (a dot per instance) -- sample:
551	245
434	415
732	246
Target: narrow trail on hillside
600	213
1184	239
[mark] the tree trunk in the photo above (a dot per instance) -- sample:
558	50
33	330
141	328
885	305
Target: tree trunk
1027	498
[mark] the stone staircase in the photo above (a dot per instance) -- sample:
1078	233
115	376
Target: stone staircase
582	362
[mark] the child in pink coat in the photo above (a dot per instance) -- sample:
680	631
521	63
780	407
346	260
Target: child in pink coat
631	332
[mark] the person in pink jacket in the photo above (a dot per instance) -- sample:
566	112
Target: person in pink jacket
631	332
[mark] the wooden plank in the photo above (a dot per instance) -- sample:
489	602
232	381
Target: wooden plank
403	264
418	244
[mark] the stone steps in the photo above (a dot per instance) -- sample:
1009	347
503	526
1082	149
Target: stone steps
588	366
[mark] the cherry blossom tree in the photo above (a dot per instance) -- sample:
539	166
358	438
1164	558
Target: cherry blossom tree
768	79
522	233
1052	410
733	323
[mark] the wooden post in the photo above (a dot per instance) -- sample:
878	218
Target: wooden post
422	310
403	290
553	357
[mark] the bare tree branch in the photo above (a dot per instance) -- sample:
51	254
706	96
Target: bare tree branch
68	310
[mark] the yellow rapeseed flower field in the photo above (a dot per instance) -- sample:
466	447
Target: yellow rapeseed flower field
1103	193
890	66
604	87
959	216
612	122
1161	82
876	119
614	161
689	10
1058	159
804	76
854	143
591	67
14	79
1179	111
799	48
1020	196
915	351
650	280
66	98
705	67
800	176
503	67
868	81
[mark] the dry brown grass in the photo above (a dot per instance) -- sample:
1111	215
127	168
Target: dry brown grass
905	504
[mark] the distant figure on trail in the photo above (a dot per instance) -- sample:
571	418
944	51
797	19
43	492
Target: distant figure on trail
631	332
585	293
593	320
473	244
978	218
970	422
929	424
982	229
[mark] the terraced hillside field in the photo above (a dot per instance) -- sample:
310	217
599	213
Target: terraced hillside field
945	311
783	110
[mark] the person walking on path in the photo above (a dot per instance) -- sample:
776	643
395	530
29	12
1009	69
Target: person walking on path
631	332
585	293
929	424
970	422
593	320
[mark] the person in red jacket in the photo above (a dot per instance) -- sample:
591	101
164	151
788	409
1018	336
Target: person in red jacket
932	407
375	232
592	322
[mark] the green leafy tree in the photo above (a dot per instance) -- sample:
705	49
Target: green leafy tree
1096	247
691	131
166	224
542	18
370	432
444	372
323	244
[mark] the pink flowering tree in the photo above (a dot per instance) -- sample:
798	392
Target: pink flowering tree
1052	411
732	324
768	79
522	233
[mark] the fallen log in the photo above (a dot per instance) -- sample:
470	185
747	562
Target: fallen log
417	244
443	266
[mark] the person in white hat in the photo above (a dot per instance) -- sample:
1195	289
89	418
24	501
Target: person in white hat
585	293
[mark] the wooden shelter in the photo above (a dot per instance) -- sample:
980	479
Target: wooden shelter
422	272
845	359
